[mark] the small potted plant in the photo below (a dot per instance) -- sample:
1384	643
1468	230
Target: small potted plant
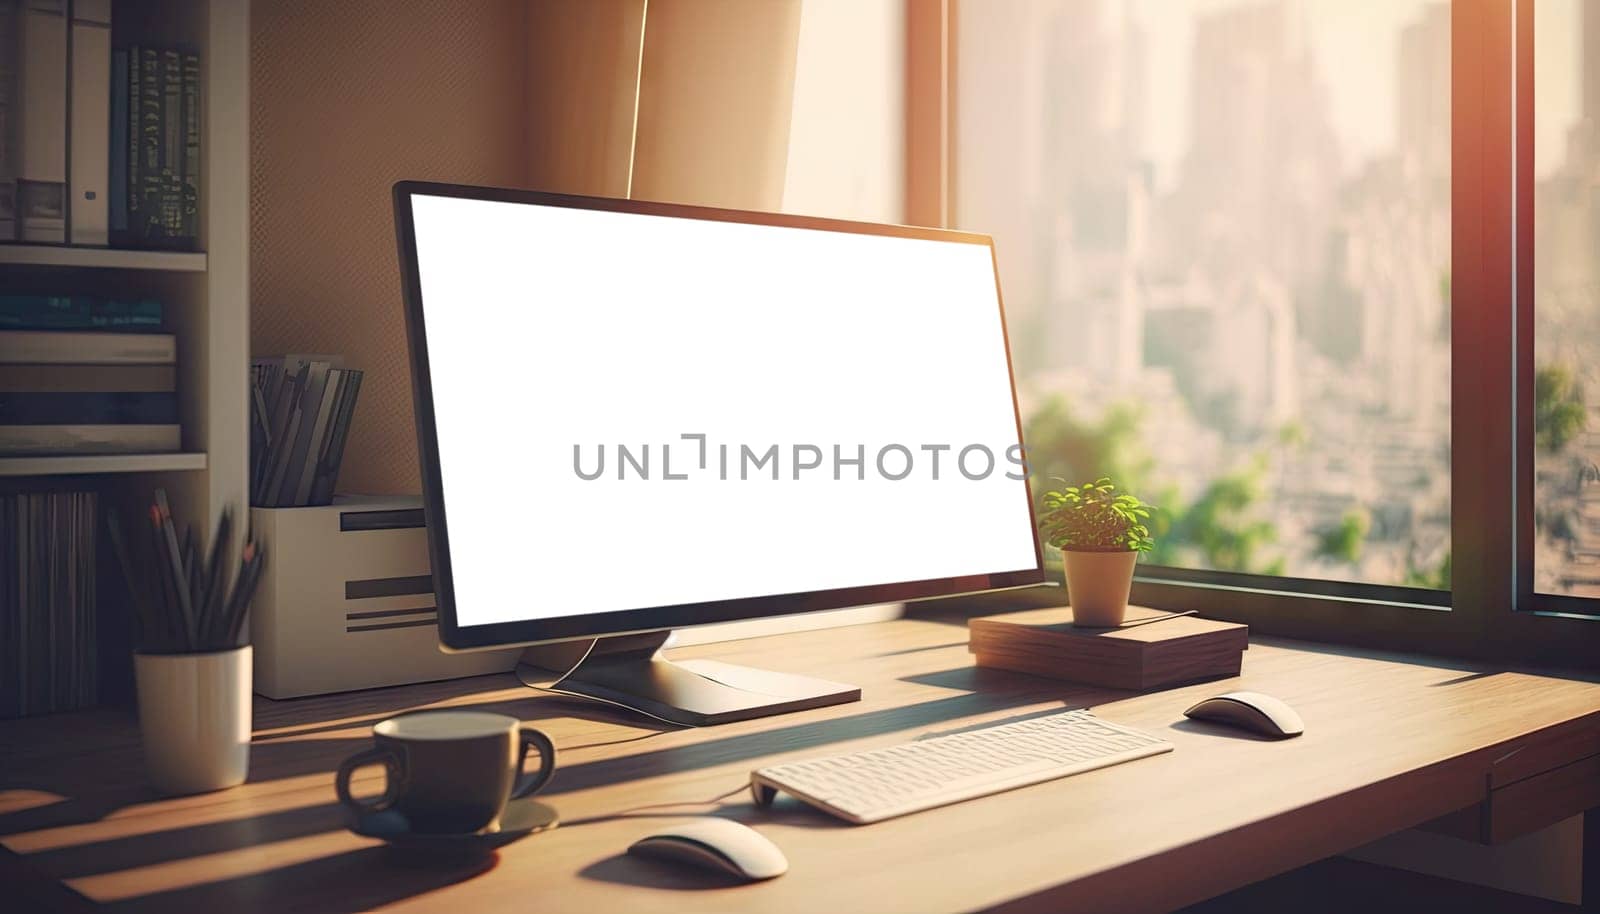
1100	533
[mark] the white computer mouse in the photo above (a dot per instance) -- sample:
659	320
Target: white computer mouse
1253	711
715	844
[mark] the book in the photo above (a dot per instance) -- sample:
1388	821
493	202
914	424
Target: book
11	659
318	443
134	229
117	176
41	87
299	443
147	192
30	440
171	234
48	606
34	378
41	211
10	115
163	149
1141	655
327	475
123	323
92	408
89	136
49	347
300	412
8	199
191	148
78	312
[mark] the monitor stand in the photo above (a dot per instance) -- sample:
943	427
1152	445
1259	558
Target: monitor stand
630	671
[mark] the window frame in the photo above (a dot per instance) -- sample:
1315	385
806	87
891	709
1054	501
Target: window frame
1490	612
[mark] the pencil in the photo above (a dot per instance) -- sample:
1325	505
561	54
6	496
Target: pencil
144	613
191	582
180	577
244	589
160	566
215	584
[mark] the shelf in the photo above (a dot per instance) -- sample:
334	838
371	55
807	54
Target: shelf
75	464
57	255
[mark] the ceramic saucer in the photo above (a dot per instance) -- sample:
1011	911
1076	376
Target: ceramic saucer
522	817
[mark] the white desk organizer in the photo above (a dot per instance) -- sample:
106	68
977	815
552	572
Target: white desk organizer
346	601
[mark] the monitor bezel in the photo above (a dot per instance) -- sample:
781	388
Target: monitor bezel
455	637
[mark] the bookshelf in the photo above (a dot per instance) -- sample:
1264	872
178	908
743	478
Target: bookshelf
58	255
206	293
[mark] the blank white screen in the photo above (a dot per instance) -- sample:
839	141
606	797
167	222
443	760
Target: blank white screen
549	328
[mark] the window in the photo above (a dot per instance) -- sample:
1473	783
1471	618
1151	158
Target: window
1566	300
1224	235
1272	262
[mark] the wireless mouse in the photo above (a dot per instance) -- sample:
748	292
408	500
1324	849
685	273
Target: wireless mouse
1253	711
716	844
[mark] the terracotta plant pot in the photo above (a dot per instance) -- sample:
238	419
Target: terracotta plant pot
1098	584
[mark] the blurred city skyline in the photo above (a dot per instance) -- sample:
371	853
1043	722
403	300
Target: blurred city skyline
1224	235
1223	229
1567	298
1361	102
1558	80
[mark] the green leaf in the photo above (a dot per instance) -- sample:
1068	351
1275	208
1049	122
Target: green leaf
1095	514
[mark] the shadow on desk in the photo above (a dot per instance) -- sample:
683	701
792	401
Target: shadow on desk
94	785
306	751
357	880
148	849
622	869
813	735
1221	731
527	705
315	748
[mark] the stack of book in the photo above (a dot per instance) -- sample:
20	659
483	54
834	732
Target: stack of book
83	375
301	407
155	147
48	660
97	146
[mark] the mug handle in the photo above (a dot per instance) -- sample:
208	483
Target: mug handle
529	784
377	755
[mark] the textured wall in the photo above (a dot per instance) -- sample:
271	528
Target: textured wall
346	99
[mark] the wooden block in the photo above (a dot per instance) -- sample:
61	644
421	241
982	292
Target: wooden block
1149	656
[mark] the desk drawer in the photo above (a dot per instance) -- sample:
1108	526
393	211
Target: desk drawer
1542	800
1541	782
1544	753
1527	805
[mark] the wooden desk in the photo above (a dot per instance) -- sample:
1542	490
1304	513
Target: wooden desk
1389	744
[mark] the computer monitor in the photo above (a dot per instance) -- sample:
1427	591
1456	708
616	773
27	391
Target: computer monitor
635	417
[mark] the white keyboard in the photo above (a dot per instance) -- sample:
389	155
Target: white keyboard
880	784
